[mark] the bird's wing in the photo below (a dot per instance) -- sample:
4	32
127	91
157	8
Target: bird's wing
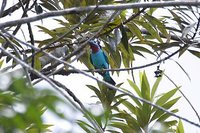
91	59
106	58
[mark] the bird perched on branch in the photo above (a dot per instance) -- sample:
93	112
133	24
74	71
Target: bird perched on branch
100	61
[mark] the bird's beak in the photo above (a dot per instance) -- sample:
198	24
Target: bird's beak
90	44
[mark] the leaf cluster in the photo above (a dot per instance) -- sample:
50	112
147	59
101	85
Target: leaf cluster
22	107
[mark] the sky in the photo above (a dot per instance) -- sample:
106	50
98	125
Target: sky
190	88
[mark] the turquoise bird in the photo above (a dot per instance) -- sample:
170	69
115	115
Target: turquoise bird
100	61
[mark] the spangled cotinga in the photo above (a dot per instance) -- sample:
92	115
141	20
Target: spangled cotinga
100	61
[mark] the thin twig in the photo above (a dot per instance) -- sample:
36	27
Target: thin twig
92	77
13	8
3	5
19	56
65	34
84	44
131	95
184	96
67	72
30	32
124	92
126	21
196	29
85	111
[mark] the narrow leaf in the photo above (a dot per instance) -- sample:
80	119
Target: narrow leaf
195	53
154	21
155	87
166	97
135	30
96	91
1	63
124	38
135	87
151	30
180	128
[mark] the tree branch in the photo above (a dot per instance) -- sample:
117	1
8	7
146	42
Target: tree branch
13	8
76	10
184	97
124	92
92	77
23	64
3	5
87	114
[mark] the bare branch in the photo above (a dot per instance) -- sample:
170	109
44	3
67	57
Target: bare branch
67	72
3	5
13	8
76	10
19	56
195	111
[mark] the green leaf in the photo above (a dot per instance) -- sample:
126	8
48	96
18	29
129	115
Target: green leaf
183	70
151	30
85	126
142	49
155	87
135	87
1	62
115	59
166	97
157	24
96	91
85	58
124	38
126	60
45	30
180	128
171	123
195	53
167	105
125	128
183	49
37	65
118	103
145	88
166	115
129	106
177	19
143	115
49	4
135	30
132	122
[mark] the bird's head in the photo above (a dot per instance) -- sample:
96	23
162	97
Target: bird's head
94	45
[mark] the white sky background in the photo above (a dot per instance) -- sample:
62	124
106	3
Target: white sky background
76	82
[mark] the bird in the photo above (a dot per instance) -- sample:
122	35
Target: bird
99	60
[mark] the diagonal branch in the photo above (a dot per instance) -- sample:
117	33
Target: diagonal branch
76	10
3	5
23	64
124	92
92	77
13	8
195	111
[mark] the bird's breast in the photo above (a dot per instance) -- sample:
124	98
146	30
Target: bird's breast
99	60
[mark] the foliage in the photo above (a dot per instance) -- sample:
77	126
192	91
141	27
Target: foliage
129	33
22	107
130	115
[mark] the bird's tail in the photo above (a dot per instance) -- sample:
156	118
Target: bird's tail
111	81
108	78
